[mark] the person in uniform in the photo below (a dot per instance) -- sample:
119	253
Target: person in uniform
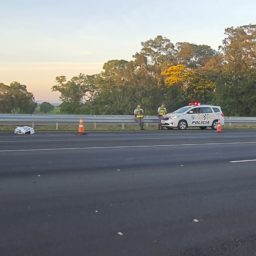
161	112
139	115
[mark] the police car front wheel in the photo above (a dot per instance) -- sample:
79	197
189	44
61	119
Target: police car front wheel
182	125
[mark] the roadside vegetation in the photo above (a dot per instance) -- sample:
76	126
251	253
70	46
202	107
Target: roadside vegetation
160	72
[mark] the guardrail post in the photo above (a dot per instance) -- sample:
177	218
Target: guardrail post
57	126
95	123
123	126
33	125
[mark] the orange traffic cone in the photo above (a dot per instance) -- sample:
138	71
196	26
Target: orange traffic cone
81	129
219	128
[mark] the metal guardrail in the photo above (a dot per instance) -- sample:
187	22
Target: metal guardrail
36	119
33	119
240	120
74	118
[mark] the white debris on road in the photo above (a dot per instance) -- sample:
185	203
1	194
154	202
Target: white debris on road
24	130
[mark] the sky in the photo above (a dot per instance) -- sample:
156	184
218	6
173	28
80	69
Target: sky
43	39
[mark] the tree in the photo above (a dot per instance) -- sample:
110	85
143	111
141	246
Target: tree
194	85
178	74
236	86
158	50
46	107
192	55
200	88
122	85
115	72
239	49
16	99
4	104
74	92
237	96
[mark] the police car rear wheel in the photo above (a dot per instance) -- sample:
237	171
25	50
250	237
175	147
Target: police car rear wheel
182	125
214	124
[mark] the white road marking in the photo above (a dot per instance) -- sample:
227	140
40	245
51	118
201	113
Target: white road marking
127	146
243	161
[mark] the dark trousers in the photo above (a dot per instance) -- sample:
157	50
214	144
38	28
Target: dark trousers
139	120
159	124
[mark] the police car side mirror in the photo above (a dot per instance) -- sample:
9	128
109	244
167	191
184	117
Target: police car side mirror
190	112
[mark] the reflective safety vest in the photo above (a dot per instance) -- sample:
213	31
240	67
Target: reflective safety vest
162	111
139	113
139	116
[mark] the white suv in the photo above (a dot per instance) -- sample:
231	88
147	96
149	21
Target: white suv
202	116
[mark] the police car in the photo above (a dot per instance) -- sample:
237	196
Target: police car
194	115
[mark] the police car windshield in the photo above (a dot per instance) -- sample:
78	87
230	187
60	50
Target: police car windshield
182	110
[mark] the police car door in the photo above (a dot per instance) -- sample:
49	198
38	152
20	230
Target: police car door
203	116
207	116
193	116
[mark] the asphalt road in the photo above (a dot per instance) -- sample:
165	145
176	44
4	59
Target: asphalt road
163	193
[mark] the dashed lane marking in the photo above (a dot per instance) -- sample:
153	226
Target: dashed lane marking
243	161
